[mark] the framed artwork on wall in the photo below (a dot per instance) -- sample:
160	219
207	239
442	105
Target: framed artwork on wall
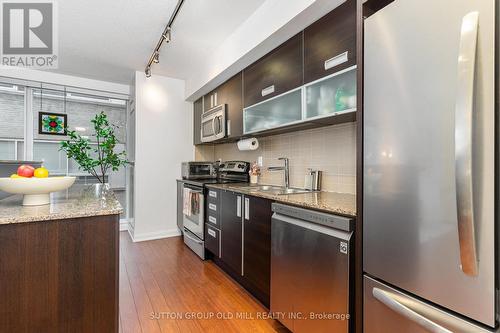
52	123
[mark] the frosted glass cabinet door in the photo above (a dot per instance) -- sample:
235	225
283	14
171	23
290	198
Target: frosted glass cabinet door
273	113
334	94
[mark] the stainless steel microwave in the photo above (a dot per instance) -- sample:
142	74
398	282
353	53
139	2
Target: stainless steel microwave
214	124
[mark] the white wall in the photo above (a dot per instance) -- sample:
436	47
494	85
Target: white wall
164	138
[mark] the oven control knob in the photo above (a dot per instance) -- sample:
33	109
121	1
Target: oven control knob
222	166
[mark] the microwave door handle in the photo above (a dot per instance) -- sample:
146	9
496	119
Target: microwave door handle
219	124
463	144
213	125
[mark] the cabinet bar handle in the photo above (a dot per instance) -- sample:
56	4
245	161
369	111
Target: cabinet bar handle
267	91
247	209
212	233
238	206
212	194
337	60
212	207
212	219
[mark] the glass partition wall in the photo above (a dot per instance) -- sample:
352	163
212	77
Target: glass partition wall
21	109
11	121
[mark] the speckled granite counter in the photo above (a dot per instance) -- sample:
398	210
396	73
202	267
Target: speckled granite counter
77	201
331	202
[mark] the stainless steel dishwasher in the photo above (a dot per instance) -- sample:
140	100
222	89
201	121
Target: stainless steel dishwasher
310	269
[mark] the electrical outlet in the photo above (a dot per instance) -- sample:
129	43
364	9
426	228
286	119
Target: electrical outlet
260	161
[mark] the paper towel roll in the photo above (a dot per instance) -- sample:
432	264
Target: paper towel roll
248	144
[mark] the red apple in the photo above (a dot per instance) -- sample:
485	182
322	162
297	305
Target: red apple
25	171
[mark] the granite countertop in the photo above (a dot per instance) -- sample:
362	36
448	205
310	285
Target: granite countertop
77	201
330	202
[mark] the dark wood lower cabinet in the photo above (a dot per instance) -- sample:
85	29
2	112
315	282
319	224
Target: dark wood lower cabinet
60	276
230	218
257	247
212	240
245	238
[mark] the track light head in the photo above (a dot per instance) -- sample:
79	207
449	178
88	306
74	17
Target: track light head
148	72
167	35
156	57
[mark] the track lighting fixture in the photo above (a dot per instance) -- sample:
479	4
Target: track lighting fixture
165	37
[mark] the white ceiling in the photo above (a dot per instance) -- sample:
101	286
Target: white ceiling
109	40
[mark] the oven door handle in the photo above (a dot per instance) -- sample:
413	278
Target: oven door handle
193	239
199	192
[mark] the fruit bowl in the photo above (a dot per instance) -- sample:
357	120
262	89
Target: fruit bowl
36	190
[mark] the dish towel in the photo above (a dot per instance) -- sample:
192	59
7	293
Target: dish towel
195	203
186	202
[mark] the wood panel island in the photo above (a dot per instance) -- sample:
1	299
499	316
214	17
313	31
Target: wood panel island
59	262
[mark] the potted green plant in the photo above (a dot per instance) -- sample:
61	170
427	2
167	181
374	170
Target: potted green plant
105	158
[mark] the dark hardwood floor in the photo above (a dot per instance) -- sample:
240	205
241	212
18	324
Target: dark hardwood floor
164	287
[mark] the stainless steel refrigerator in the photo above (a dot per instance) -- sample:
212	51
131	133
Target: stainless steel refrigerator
429	167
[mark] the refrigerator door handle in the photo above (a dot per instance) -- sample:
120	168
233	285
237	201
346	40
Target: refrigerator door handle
463	143
386	299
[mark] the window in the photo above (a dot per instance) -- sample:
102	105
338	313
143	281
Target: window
11	121
78	106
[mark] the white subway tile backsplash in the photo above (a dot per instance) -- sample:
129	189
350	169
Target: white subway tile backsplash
330	149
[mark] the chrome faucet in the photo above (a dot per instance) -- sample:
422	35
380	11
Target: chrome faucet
285	168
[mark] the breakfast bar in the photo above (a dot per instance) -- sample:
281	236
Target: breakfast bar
59	262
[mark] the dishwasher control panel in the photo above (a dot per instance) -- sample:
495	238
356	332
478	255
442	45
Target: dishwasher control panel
328	220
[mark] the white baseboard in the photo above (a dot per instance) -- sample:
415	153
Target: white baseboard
155	235
130	230
123	225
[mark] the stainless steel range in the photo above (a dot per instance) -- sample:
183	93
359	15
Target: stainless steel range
193	200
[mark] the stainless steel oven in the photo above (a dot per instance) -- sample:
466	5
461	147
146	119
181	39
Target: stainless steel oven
213	124
194	218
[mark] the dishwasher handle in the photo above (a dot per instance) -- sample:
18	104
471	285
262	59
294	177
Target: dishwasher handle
346	236
320	218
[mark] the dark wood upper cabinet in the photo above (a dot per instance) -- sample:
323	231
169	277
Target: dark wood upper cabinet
230	208
197	111
210	100
257	247
231	94
275	73
327	39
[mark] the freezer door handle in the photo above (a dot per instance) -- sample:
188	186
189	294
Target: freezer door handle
463	143
385	298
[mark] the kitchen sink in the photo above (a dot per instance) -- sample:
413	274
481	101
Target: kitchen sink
276	190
